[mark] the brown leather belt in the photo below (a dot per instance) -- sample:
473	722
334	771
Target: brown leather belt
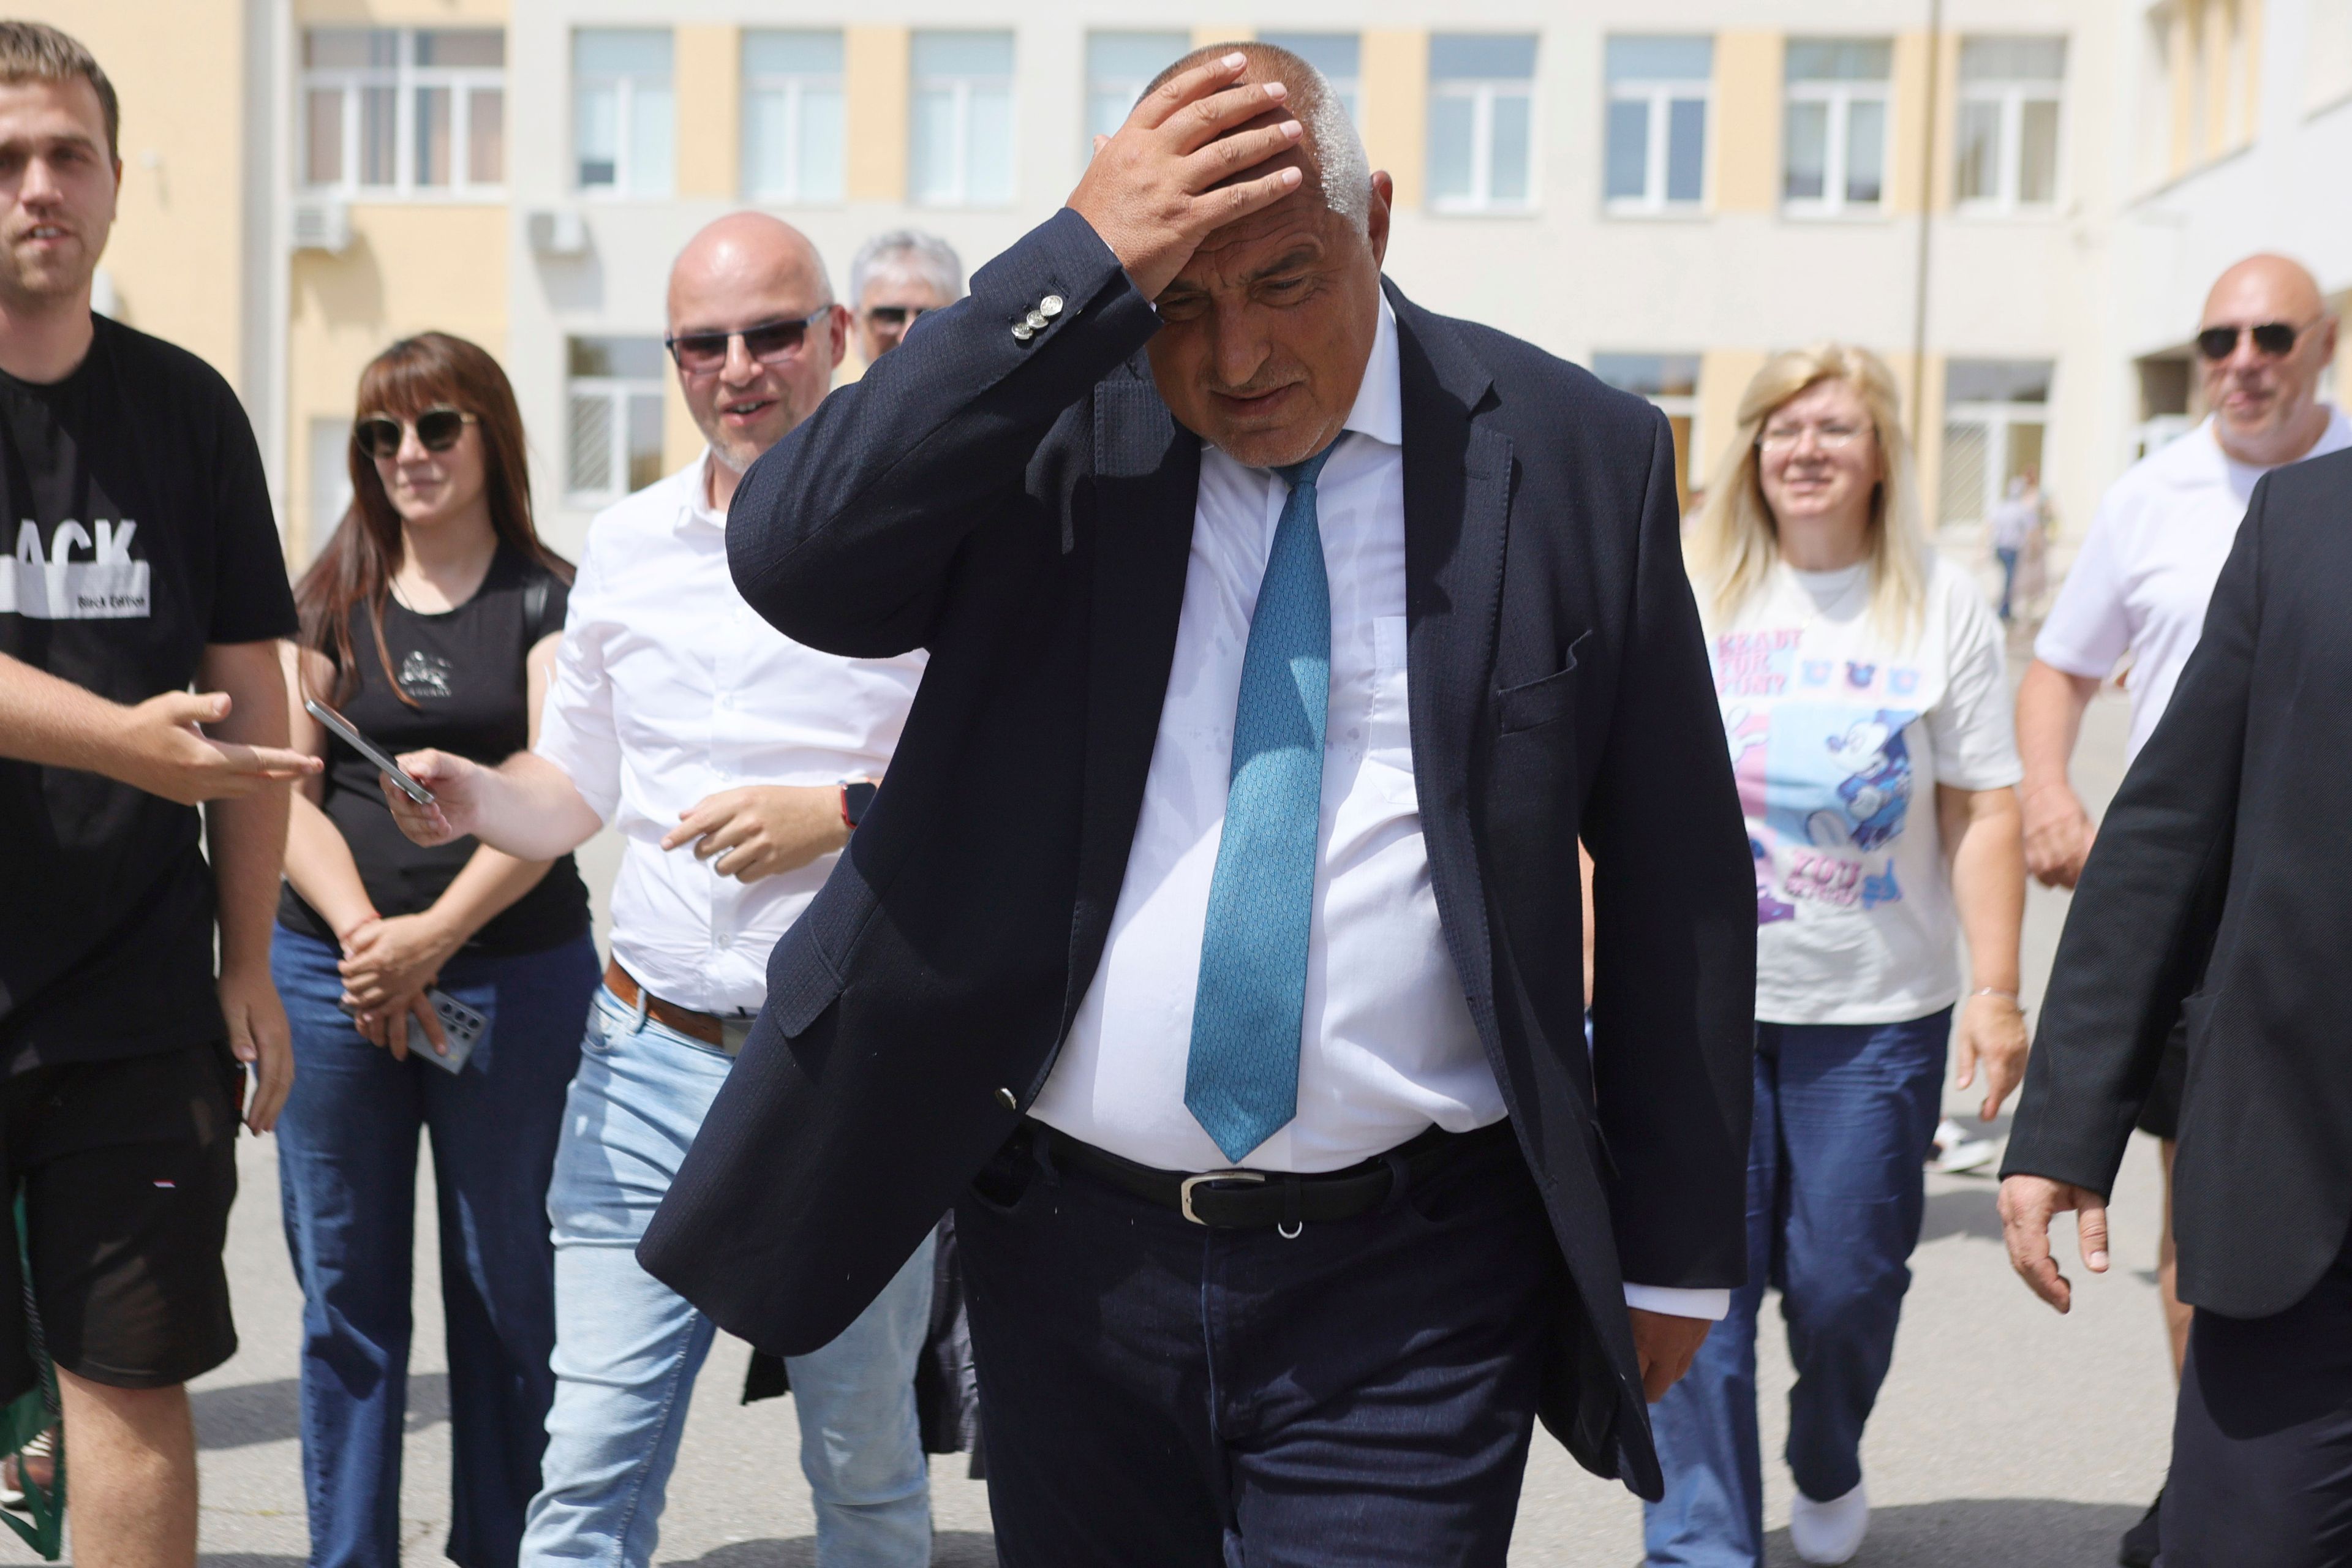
704	1027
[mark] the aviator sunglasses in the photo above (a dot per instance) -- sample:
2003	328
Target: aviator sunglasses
699	353
2274	339
437	430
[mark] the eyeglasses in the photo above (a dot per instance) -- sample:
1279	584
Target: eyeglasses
437	430
1829	437
700	354
896	315
2272	339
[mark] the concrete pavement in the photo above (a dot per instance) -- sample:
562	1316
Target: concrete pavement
2007	1435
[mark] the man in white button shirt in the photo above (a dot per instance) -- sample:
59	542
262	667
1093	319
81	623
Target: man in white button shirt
2139	589
1214	944
734	762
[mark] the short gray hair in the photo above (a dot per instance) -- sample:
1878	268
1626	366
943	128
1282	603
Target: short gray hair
927	254
1346	174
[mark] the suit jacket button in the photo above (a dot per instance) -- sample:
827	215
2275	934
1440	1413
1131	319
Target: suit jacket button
1007	1099
1023	331
1036	321
1050	305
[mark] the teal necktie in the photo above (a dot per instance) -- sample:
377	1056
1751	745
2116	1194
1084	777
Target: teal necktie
1241	1079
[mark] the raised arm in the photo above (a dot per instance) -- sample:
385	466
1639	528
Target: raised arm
844	534
156	745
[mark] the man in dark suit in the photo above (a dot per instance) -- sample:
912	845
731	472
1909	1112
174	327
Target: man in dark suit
1213	944
2219	890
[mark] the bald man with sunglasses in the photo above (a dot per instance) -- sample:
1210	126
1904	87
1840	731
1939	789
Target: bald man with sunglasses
734	763
2139	588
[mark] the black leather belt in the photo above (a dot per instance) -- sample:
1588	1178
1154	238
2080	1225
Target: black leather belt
1257	1200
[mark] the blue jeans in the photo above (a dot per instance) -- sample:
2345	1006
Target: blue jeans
627	1347
2007	559
1846	1114
347	1178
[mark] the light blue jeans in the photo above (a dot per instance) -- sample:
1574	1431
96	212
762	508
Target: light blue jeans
627	1347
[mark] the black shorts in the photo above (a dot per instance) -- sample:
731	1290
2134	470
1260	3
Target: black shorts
2161	1114
128	1168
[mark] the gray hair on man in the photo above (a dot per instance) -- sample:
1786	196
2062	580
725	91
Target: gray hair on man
928	256
1341	167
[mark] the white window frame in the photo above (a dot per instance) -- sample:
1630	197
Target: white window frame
2009	157
1997	420
405	78
1840	95
628	182
617	391
959	88
1658	97
1482	93
793	85
1349	89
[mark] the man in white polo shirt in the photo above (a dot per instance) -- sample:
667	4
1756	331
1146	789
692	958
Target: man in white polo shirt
734	762
2139	588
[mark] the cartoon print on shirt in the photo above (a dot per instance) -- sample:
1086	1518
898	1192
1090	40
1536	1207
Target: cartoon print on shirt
1748	731
1877	792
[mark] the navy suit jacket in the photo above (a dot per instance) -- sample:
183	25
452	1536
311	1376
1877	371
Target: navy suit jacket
1023	507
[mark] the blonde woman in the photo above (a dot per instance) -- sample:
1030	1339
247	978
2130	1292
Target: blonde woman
1868	712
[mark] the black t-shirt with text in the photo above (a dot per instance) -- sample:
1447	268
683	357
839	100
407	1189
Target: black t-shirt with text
464	673
138	531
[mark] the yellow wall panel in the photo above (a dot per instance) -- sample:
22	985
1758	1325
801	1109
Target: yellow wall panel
1746	122
177	251
873	68
2250	26
1722	377
1395	66
709	87
1913	67
1207	33
410	268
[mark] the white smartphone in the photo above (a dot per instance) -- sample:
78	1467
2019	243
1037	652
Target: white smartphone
350	736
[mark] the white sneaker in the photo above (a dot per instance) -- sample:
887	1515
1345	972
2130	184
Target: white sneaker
1956	1152
1829	1531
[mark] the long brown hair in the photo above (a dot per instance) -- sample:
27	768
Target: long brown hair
430	369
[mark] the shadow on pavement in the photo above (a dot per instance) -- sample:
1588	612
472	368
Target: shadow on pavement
1968	1533
1967	1211
949	1549
251	1413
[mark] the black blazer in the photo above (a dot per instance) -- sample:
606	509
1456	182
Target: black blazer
1023	509
2220	888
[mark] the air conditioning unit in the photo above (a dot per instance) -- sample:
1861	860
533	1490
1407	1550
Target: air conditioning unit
321	223
558	231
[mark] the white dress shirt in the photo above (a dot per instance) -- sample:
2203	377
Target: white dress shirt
669	687
1387	1046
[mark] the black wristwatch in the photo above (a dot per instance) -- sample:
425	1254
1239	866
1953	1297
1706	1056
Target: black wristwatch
856	800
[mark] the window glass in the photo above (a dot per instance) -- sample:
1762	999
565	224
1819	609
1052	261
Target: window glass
1499	57
1649	375
770	53
2013	59
1977	177
988	172
938	53
1508	177
1866	150
351	48
1628	156
460	47
486	132
2037	157
630	358
824	144
1806	175
322	136
1449	127
1339	56
1118	67
379	131
1660	60
934	143
596	132
653	122
618	51
1685	150
1997	381
433	136
1839	59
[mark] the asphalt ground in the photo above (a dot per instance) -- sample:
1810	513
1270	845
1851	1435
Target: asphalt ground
2006	1435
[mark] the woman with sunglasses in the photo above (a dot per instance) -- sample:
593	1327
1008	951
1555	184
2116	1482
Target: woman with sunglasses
1863	699
430	619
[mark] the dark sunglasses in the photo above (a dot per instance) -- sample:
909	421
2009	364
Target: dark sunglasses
699	353
437	430
895	315
2272	338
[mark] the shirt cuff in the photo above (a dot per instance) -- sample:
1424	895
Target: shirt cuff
1712	1305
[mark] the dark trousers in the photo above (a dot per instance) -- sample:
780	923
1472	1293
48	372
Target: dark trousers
1157	1393
347	1175
2261	1441
1844	1114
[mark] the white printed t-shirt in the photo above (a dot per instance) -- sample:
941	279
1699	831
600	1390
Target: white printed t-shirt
1839	738
2148	565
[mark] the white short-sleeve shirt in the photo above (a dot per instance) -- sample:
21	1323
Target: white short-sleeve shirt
2148	565
1840	732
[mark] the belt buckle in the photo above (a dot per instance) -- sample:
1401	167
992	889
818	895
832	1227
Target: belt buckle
1184	1189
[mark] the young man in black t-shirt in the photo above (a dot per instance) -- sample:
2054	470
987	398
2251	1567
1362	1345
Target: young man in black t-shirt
137	556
